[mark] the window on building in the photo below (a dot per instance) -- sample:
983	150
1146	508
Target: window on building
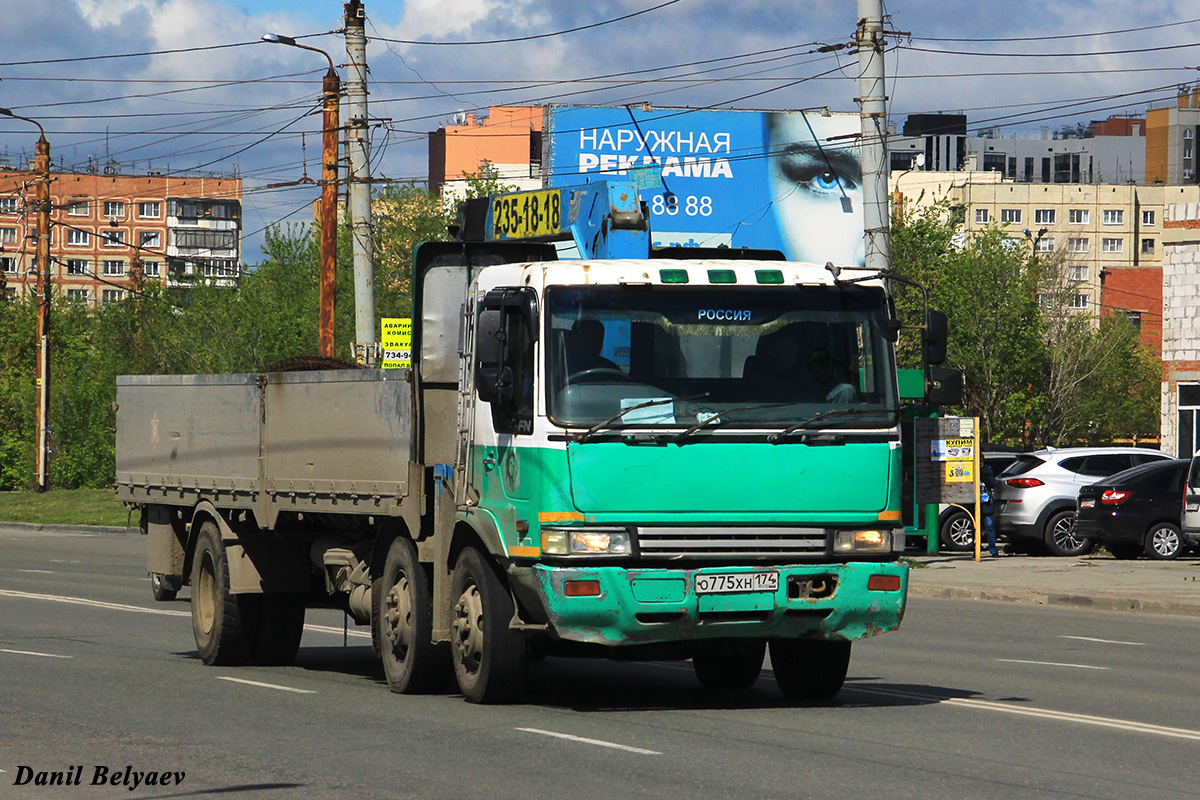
1043	216
8	235
1114	216
1187	133
78	238
1078	272
1187	174
77	266
79	208
1147	245
1045	244
1029	170
151	239
1187	151
150	210
1079	216
113	238
1010	215
220	268
77	295
9	205
8	264
1114	245
151	269
1148	217
1135	319
110	296
114	268
1077	245
981	216
1045	170
114	209
1188	410
1079	300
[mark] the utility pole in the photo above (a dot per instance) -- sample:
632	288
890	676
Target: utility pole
331	86
358	147
42	163
870	43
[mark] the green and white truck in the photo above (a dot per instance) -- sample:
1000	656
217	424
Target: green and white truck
642	458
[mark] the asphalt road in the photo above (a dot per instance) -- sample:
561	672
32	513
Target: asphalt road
970	699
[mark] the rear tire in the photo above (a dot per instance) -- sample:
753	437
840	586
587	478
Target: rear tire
279	630
1164	542
412	663
810	669
163	587
1061	539
958	532
225	624
730	671
489	658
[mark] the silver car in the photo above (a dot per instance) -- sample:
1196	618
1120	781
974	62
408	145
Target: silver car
1035	496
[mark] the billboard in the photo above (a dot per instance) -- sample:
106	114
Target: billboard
787	180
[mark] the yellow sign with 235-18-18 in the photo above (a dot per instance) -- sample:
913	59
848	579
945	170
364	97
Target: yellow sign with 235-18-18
527	214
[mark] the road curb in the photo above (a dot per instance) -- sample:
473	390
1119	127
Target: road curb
93	530
1075	600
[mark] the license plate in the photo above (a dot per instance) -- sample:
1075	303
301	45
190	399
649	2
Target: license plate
735	582
1192	507
1089	503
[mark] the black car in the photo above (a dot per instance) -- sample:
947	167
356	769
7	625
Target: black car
1135	511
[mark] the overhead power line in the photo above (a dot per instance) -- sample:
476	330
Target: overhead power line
1048	55
1053	37
76	59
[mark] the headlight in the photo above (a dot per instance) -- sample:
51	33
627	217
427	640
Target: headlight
590	542
868	541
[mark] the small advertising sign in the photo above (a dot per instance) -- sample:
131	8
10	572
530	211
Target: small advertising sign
395	340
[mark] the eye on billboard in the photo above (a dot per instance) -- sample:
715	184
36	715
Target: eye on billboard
786	180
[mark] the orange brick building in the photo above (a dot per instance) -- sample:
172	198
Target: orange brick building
105	229
509	137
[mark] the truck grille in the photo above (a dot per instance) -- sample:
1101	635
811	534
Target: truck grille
730	542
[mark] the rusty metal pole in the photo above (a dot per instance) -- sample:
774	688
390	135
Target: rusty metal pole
329	195
42	251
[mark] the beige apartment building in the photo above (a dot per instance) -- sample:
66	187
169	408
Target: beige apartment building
1110	234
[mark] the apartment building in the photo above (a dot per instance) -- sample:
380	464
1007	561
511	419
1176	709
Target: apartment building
509	138
1171	135
1180	429
109	231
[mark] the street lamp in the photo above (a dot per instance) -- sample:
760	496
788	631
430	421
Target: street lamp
42	335
331	88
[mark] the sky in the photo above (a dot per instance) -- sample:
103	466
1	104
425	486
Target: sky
94	72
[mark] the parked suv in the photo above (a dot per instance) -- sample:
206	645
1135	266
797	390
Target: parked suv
1035	496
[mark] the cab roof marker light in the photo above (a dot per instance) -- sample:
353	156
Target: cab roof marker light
673	275
769	276
722	276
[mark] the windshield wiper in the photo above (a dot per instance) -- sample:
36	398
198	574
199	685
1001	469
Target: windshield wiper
720	414
804	423
583	437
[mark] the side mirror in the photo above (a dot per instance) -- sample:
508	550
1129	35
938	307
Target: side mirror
493	373
943	387
933	339
489	353
888	328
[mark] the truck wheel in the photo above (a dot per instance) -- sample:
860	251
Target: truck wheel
163	587
489	658
412	663
1164	542
726	671
225	624
279	630
1061	539
810	669
958	532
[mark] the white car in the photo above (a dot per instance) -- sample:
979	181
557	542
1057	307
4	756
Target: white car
1035	496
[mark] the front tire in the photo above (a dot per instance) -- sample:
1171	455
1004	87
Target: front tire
810	669
404	618
489	658
225	624
730	671
958	532
1061	539
1164	542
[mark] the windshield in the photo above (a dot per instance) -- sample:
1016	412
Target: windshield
725	356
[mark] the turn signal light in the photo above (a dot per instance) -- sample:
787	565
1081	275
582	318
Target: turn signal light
1113	497
883	583
1024	483
581	588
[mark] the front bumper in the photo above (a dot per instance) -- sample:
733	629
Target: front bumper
644	606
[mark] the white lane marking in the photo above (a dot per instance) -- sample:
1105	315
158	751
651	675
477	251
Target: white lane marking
37	571
83	601
262	685
32	653
1049	663
597	742
1063	716
1103	641
65	561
